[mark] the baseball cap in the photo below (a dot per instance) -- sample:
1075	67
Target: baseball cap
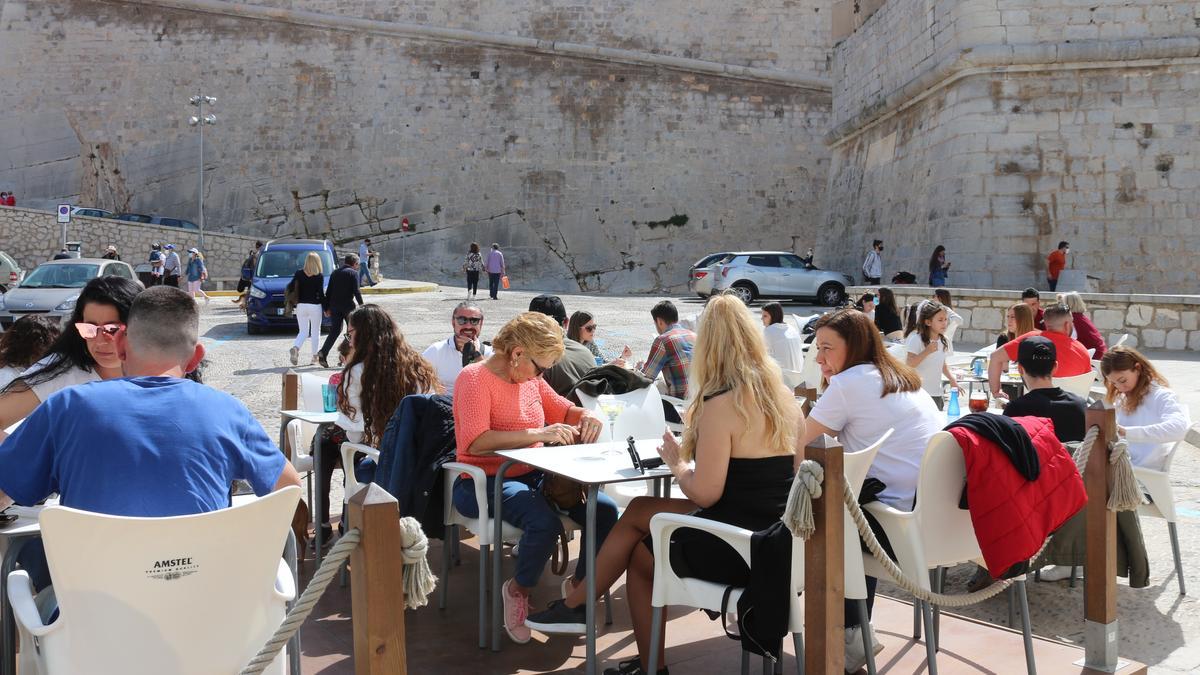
111	248
170	247
1035	352
192	250
550	305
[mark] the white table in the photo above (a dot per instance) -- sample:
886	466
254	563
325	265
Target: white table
594	465
320	419
14	538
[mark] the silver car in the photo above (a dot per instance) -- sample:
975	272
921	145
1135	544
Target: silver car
11	273
778	274
54	286
700	276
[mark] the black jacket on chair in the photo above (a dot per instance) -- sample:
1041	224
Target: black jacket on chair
342	291
418	440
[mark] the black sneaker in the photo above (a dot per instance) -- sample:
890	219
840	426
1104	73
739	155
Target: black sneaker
559	619
321	360
631	667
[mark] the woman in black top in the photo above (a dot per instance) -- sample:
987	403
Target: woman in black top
309	286
887	315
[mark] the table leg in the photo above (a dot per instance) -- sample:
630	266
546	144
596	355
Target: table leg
318	498
497	551
590	543
8	664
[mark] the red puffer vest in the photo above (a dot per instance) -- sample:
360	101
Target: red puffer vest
1013	516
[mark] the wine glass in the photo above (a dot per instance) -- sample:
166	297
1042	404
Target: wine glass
613	408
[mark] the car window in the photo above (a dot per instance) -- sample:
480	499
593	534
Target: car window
60	276
285	263
764	260
710	259
188	225
792	262
169	222
118	271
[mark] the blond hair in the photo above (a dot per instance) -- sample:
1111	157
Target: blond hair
312	264
539	335
1073	301
731	356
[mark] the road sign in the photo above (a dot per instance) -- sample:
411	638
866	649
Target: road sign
64	213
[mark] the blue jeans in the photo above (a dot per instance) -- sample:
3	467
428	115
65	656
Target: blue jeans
493	284
365	273
526	508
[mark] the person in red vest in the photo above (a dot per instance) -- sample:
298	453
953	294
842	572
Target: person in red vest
11	200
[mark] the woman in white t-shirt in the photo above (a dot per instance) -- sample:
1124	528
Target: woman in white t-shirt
84	351
784	343
1149	415
869	392
927	348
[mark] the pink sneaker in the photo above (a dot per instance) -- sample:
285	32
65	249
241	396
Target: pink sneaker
516	609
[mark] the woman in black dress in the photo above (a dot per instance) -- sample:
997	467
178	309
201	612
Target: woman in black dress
741	429
887	314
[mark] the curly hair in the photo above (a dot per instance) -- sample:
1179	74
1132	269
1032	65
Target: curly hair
27	341
391	370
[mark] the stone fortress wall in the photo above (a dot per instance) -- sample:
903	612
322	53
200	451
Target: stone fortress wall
999	127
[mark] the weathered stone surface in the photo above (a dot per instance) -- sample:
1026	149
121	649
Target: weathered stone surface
987	318
1194	341
1176	339
1108	319
1166	318
1188	320
1139	315
1153	337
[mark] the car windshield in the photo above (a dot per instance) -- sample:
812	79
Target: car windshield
60	276
275	264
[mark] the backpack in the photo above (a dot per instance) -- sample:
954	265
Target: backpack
248	267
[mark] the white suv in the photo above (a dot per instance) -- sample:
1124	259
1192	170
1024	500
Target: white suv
778	274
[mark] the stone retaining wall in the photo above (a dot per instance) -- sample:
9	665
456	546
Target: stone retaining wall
1152	321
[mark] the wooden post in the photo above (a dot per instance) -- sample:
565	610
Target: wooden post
1100	561
377	584
289	400
810	396
824	572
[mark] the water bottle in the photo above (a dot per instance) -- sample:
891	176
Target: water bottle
952	412
977	367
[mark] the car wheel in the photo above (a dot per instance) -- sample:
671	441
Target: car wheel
253	328
831	295
744	291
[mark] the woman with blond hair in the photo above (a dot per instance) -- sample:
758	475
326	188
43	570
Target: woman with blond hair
1018	320
309	284
503	403
742	426
1085	331
1149	415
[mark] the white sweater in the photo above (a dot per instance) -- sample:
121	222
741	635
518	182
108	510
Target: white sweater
1157	424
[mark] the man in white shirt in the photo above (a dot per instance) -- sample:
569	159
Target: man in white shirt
460	349
171	267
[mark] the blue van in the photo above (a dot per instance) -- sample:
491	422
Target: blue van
277	264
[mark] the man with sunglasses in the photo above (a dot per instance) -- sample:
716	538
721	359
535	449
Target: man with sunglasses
461	349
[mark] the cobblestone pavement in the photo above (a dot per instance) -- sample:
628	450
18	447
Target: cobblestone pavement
1157	625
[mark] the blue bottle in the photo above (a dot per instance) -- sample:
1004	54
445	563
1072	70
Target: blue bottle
952	412
977	367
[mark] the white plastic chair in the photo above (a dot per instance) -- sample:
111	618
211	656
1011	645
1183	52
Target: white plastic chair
810	372
1080	385
1120	341
642	418
671	589
1157	485
680	405
300	434
191	595
792	379
936	533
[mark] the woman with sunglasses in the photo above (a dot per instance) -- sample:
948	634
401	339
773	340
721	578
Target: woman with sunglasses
502	403
84	351
582	329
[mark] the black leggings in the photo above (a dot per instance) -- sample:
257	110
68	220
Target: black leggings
851	606
472	282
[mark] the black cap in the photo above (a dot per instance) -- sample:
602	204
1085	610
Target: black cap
550	305
1036	352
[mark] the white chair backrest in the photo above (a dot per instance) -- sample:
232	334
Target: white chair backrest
191	595
1091	352
792	378
855	466
1121	340
899	351
946	530
810	372
1080	385
1192	438
310	392
642	418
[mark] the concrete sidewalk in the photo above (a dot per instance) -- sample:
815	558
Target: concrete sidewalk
384	287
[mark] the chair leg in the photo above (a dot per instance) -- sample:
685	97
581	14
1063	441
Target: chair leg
485	557
447	545
935	584
798	645
778	670
607	609
864	623
1074	573
1178	560
745	662
930	639
1026	628
457	549
656	638
916	619
1012	606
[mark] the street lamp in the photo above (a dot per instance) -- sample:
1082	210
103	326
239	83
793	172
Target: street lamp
199	120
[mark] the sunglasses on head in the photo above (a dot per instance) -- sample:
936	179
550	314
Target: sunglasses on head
89	331
464	320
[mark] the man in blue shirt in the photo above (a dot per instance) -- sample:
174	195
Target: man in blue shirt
152	444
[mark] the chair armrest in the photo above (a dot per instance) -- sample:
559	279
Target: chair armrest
294	434
348	450
479	477
20	595
677	402
285	583
663	525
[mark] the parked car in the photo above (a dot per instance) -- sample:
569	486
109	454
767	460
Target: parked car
90	212
157	220
277	264
54	286
778	274
700	275
11	273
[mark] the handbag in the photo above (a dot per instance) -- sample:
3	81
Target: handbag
504	281
291	297
563	493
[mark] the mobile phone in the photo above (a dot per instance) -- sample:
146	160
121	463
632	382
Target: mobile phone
7	519
633	455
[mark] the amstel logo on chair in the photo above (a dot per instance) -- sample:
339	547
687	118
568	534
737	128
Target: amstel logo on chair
172	569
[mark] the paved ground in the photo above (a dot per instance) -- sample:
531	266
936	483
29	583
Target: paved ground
1158	627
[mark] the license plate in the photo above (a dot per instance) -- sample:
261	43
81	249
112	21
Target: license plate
279	311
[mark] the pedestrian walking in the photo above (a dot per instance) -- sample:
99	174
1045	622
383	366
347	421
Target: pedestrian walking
110	253
939	269
247	274
10	200
61	255
364	263
3	199
197	274
473	266
171	266
309	285
873	265
495	269
156	264
340	297
1055	263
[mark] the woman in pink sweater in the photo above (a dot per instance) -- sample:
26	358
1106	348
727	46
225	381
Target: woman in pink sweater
503	403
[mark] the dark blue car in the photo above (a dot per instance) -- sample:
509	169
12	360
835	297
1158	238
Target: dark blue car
277	264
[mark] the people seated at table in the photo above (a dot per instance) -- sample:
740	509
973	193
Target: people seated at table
868	392
1149	414
1036	358
382	369
887	315
784	343
582	329
1085	331
503	403
1018	320
25	343
84	351
462	348
927	348
742	429
671	350
1073	359
1030	296
152	444
576	360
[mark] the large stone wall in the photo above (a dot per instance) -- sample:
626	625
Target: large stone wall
592	173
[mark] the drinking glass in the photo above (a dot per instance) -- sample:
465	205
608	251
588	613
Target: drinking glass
612	408
329	397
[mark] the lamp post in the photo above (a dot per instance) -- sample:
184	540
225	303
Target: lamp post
199	120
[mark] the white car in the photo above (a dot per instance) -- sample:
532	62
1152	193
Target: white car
777	274
700	277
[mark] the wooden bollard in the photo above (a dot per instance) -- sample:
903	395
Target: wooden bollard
1100	557
824	567
810	396
289	399
377	584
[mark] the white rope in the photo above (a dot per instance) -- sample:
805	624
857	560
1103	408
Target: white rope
419	581
806	486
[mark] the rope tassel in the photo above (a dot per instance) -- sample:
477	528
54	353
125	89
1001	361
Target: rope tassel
806	486
1126	494
419	580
